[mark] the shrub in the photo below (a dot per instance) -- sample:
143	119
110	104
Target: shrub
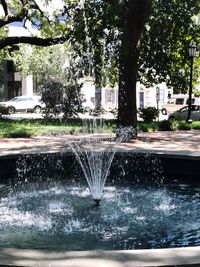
196	125
96	112
72	101
148	114
114	111
148	127
184	125
59	98
52	93
18	133
3	110
168	125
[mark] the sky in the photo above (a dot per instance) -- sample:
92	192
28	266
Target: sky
49	7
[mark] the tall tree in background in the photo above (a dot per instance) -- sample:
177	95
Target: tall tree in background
164	45
127	49
134	14
106	36
112	30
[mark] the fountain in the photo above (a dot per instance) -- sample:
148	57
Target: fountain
95	157
46	208
42	210
96	154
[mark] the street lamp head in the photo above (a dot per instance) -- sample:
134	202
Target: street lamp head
192	49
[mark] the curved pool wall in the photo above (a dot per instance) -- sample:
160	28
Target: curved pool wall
125	164
62	166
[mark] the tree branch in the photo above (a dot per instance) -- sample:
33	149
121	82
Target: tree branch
26	5
9	20
5	7
9	41
34	5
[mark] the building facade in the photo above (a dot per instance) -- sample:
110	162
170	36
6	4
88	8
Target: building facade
12	83
154	96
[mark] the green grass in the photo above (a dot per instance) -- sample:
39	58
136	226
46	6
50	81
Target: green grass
26	128
167	125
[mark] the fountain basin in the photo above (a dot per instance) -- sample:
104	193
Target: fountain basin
113	254
61	215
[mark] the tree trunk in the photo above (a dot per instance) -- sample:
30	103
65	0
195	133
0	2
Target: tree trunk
135	15
127	109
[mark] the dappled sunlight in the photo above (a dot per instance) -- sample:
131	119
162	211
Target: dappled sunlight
179	142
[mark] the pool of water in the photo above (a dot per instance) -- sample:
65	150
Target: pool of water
63	216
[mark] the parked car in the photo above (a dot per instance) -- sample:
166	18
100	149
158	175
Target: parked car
24	103
182	113
177	102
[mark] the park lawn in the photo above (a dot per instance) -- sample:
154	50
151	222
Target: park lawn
26	128
29	128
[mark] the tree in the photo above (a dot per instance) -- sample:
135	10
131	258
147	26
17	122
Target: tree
112	33
112	30
162	49
55	62
164	44
107	37
51	19
134	16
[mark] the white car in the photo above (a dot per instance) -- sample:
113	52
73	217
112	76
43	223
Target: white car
182	114
24	103
178	102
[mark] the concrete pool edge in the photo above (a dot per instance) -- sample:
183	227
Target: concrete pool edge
129	258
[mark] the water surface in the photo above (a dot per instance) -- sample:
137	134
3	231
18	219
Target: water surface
63	216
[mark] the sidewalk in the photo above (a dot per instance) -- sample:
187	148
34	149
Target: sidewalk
177	143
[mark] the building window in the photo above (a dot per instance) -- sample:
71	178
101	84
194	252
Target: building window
141	99
162	96
109	96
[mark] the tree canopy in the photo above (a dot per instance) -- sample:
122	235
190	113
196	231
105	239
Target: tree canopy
115	41
164	46
95	27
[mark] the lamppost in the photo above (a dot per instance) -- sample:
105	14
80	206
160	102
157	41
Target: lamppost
192	52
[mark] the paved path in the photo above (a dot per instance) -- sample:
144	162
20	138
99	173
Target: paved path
178	143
